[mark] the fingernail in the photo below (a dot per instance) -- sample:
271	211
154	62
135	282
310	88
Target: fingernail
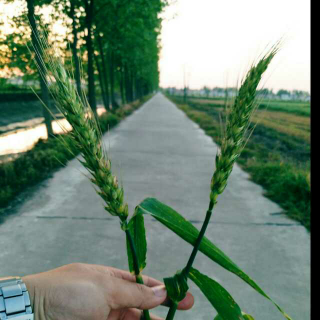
160	291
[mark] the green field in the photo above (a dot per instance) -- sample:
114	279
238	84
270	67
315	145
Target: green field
294	107
277	154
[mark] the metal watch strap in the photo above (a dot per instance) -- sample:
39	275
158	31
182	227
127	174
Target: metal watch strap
14	300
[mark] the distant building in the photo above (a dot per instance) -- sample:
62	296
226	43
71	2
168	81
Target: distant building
286	96
218	92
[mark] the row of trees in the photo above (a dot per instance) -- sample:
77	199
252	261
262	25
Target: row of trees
112	43
231	92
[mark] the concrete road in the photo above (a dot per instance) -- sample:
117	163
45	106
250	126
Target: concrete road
158	152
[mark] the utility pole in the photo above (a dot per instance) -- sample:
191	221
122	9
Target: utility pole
184	85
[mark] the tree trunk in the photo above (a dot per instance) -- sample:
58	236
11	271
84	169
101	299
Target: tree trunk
134	86
103	94
138	87
44	89
111	74
104	72
89	44
122	86
131	78
74	50
127	84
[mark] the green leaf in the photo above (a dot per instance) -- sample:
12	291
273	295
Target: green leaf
138	233
219	297
184	229
245	317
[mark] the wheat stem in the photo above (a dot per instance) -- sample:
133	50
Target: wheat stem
136	267
233	143
86	137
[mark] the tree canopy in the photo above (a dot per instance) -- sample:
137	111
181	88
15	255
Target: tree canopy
117	42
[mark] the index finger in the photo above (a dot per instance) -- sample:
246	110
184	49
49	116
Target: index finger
185	304
126	275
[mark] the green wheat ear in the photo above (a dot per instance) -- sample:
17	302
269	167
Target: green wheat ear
238	122
86	136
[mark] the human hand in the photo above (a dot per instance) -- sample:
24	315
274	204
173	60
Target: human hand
93	292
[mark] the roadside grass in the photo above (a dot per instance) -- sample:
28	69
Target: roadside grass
46	156
277	154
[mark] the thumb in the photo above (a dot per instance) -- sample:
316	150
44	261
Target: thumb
126	294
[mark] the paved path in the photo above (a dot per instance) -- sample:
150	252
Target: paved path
159	152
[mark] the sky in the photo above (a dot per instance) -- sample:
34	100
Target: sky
214	42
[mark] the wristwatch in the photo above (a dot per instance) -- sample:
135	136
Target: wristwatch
14	300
